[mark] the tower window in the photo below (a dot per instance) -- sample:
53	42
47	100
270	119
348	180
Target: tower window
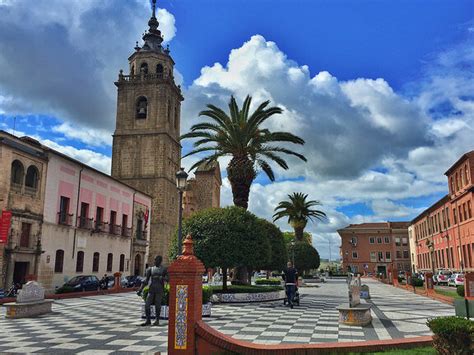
132	70
159	70
144	68
141	109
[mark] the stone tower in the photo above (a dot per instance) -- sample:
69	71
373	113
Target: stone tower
146	151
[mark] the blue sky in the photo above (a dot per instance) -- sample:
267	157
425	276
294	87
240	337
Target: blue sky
380	90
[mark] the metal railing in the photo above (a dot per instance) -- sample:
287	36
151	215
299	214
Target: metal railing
126	232
115	229
64	218
84	222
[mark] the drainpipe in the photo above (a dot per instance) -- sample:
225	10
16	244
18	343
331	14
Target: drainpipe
76	215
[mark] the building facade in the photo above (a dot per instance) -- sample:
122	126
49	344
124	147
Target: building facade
444	232
375	247
22	188
68	219
204	190
146	151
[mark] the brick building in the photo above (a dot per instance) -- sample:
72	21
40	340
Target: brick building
444	232
204	190
375	247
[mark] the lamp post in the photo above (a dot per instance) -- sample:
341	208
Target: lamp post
181	177
430	245
293	252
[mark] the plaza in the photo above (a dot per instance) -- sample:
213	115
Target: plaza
110	323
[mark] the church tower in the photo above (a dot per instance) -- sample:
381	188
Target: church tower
146	150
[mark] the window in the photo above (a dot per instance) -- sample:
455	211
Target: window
17	173
465	211
406	255
139	231
141	107
467	174
388	256
379	240
397	242
380	256
25	235
113	221
99	217
132	70
355	255
95	262
59	261
159	70
444	218
110	259
32	177
144	68
372	240
460	214
455	219
404	241
399	254
387	240
122	263
373	257
64	217
84	217
80	261
469	211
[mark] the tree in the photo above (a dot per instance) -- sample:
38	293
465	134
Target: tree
289	236
305	255
226	237
299	211
278	250
241	136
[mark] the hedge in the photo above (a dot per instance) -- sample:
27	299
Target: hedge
268	282
452	335
460	290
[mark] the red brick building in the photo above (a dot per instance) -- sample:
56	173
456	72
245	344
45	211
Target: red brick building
375	247
444	233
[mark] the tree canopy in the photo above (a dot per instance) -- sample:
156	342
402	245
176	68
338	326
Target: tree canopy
278	250
306	256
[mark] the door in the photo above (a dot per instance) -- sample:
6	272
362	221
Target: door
137	268
20	271
382	270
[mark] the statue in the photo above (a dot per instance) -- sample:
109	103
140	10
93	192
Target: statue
155	280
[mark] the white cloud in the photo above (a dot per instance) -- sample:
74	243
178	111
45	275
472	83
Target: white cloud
92	137
167	24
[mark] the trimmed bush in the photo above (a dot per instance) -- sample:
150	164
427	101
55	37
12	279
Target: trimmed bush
452	335
417	282
268	282
460	290
246	289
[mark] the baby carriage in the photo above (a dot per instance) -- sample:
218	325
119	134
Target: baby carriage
296	297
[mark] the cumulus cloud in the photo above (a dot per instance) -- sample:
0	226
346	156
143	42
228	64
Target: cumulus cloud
62	59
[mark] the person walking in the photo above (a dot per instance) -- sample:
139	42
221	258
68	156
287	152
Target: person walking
155	278
290	276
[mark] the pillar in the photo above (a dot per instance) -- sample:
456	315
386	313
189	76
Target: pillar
185	301
469	285
394	277
117	281
429	285
408	278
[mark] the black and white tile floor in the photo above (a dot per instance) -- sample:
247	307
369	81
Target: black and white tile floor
109	324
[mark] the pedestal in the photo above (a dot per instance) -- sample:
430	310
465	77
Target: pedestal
359	315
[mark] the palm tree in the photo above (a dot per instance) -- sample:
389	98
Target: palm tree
299	212
240	135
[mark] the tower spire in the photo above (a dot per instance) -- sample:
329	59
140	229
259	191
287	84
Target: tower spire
153	7
152	37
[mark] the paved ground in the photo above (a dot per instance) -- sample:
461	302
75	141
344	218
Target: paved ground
108	324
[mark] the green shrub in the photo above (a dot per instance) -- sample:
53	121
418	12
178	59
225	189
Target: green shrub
452	335
206	294
417	282
246	289
399	279
460	290
268	282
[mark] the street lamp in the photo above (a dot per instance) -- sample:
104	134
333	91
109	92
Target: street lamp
181	177
293	251
430	245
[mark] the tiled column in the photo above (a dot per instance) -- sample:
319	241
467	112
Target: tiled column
429	285
185	301
469	285
394	277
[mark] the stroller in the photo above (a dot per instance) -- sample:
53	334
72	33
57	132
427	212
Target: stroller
296	297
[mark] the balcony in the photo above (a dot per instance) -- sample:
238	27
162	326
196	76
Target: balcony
115	229
101	227
126	232
84	222
64	218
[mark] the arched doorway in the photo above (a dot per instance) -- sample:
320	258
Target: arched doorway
138	265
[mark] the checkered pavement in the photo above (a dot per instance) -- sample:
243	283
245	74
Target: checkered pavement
109	324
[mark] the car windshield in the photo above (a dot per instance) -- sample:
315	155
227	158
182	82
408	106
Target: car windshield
75	280
445	272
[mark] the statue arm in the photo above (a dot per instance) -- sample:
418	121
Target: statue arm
147	280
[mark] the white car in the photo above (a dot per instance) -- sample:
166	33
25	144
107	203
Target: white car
456	280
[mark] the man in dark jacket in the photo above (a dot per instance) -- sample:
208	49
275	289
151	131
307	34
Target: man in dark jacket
290	275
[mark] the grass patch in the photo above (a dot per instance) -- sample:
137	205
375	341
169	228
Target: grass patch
449	293
246	289
427	350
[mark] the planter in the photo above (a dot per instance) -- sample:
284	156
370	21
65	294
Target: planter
460	308
164	314
248	297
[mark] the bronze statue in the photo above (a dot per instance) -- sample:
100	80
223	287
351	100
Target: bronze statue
156	276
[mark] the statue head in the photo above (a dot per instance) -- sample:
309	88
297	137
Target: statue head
158	260
289	264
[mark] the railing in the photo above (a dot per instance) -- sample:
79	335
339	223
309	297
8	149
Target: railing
141	77
84	222
126	232
115	229
102	227
64	218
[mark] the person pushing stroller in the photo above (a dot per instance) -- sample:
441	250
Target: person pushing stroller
290	276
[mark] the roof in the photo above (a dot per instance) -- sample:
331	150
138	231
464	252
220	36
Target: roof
468	155
375	225
33	142
207	167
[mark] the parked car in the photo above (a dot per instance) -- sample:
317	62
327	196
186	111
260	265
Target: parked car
456	280
133	281
80	283
402	275
442	277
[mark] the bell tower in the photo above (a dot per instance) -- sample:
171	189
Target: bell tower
146	151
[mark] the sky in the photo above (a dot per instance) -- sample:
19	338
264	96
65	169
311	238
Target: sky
381	91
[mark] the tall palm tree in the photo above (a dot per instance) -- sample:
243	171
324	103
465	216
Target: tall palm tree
240	134
299	212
